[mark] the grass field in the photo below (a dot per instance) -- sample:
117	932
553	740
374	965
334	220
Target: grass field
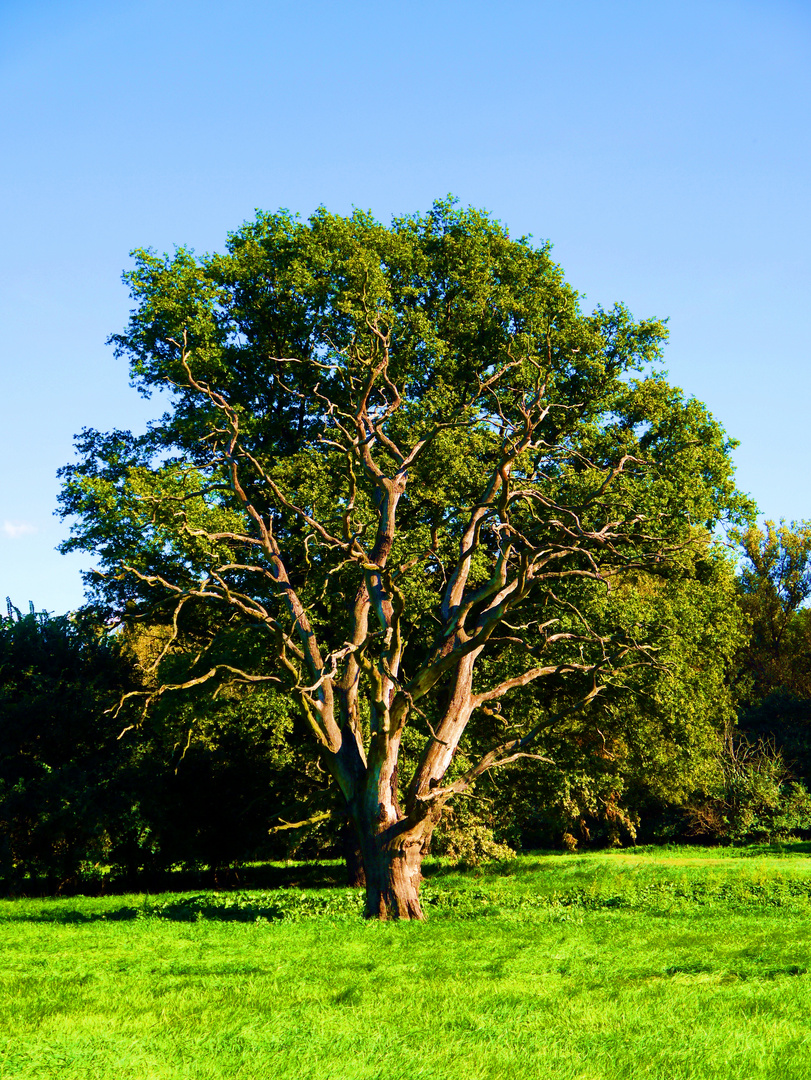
652	963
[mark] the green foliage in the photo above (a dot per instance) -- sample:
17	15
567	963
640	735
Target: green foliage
457	295
756	797
772	675
775	585
362	418
783	719
466	836
199	783
655	736
219	768
61	808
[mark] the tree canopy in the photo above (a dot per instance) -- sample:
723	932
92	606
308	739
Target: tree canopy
775	586
772	677
406	479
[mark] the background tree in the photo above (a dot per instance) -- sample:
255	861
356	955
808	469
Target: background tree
62	810
775	584
198	785
773	676
211	777
657	742
405	466
225	773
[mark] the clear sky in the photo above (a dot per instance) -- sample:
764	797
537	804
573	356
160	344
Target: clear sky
661	145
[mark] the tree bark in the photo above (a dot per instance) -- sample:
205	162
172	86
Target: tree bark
353	856
393	876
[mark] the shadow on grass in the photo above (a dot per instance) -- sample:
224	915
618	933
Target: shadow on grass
311	875
327	874
244	908
259	893
269	892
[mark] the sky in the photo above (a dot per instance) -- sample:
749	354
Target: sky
663	148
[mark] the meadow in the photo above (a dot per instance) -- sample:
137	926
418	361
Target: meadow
661	963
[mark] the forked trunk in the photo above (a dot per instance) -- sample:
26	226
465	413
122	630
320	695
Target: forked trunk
393	876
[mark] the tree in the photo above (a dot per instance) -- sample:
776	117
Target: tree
773	678
399	469
775	585
61	804
215	770
660	742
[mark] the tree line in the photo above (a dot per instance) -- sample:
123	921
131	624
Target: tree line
419	549
212	781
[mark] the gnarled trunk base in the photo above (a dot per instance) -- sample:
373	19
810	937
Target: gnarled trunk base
393	876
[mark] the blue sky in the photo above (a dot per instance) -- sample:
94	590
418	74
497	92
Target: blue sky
663	147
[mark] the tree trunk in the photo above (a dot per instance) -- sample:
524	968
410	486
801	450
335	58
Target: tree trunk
393	878
353	857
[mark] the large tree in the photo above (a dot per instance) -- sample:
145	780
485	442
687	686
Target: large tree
399	473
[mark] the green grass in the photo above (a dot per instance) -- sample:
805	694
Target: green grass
653	963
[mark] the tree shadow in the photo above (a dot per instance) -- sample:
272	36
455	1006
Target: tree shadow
264	908
309	875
